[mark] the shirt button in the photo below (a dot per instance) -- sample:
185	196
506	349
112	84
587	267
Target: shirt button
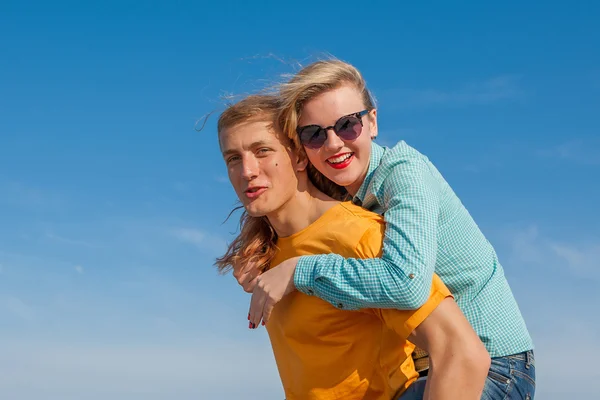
340	305
411	276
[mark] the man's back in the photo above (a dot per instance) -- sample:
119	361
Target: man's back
324	352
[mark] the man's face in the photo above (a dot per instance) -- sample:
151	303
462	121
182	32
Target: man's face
261	168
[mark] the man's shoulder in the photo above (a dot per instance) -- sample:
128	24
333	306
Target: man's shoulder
344	230
365	231
360	223
360	215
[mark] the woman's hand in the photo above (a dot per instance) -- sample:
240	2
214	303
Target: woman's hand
246	276
269	288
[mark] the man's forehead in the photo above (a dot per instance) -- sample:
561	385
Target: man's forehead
250	133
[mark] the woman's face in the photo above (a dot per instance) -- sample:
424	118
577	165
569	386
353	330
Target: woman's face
344	159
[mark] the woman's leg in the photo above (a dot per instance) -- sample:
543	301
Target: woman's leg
511	377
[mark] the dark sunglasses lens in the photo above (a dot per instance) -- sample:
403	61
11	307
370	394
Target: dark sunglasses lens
312	137
348	128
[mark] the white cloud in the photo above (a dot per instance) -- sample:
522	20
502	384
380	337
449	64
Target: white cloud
555	289
209	369
566	357
189	235
182	187
221	179
578	151
582	259
526	246
24	195
499	88
201	239
19	308
65	240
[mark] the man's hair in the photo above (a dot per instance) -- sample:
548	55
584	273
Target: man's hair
256	107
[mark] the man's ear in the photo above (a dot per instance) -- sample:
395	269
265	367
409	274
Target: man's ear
301	161
373	123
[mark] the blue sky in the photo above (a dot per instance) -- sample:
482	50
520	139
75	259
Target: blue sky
112	205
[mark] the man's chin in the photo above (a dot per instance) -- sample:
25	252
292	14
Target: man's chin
255	211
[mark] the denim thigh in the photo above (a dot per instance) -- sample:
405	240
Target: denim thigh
511	377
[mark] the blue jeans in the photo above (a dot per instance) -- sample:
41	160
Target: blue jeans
509	378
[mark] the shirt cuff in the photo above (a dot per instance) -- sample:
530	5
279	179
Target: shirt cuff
304	276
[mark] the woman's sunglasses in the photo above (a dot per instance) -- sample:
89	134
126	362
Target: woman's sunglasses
348	127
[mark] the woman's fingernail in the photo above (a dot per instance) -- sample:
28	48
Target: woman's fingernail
253	326
248	316
263	323
249	325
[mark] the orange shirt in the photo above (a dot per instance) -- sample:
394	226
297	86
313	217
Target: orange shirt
323	352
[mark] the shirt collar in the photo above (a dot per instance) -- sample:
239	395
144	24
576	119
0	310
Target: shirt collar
377	153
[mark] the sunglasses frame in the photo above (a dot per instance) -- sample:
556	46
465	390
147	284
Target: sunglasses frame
358	115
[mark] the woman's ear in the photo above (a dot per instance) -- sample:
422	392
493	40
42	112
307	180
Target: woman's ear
373	123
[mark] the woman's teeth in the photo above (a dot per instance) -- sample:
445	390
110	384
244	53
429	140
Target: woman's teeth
342	158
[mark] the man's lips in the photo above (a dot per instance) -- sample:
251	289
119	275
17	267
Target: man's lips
340	161
254	192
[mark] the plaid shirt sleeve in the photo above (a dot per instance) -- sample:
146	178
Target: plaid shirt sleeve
401	278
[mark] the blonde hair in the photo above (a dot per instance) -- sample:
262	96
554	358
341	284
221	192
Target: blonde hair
311	81
256	242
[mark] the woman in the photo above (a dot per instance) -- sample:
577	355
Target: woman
323	352
328	109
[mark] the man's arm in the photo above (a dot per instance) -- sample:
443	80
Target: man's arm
401	278
458	359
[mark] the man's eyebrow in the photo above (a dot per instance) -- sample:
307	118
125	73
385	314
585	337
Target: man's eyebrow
228	152
254	145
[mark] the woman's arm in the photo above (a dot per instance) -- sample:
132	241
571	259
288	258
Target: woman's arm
401	278
458	359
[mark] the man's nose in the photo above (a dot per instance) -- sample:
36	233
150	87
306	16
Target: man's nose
249	168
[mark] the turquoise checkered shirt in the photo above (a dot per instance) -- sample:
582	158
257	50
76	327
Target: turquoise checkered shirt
428	230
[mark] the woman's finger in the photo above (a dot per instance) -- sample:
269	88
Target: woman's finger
256	306
267	310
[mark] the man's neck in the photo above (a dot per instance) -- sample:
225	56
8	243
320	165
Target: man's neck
302	210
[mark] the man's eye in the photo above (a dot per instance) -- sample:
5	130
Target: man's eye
232	159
